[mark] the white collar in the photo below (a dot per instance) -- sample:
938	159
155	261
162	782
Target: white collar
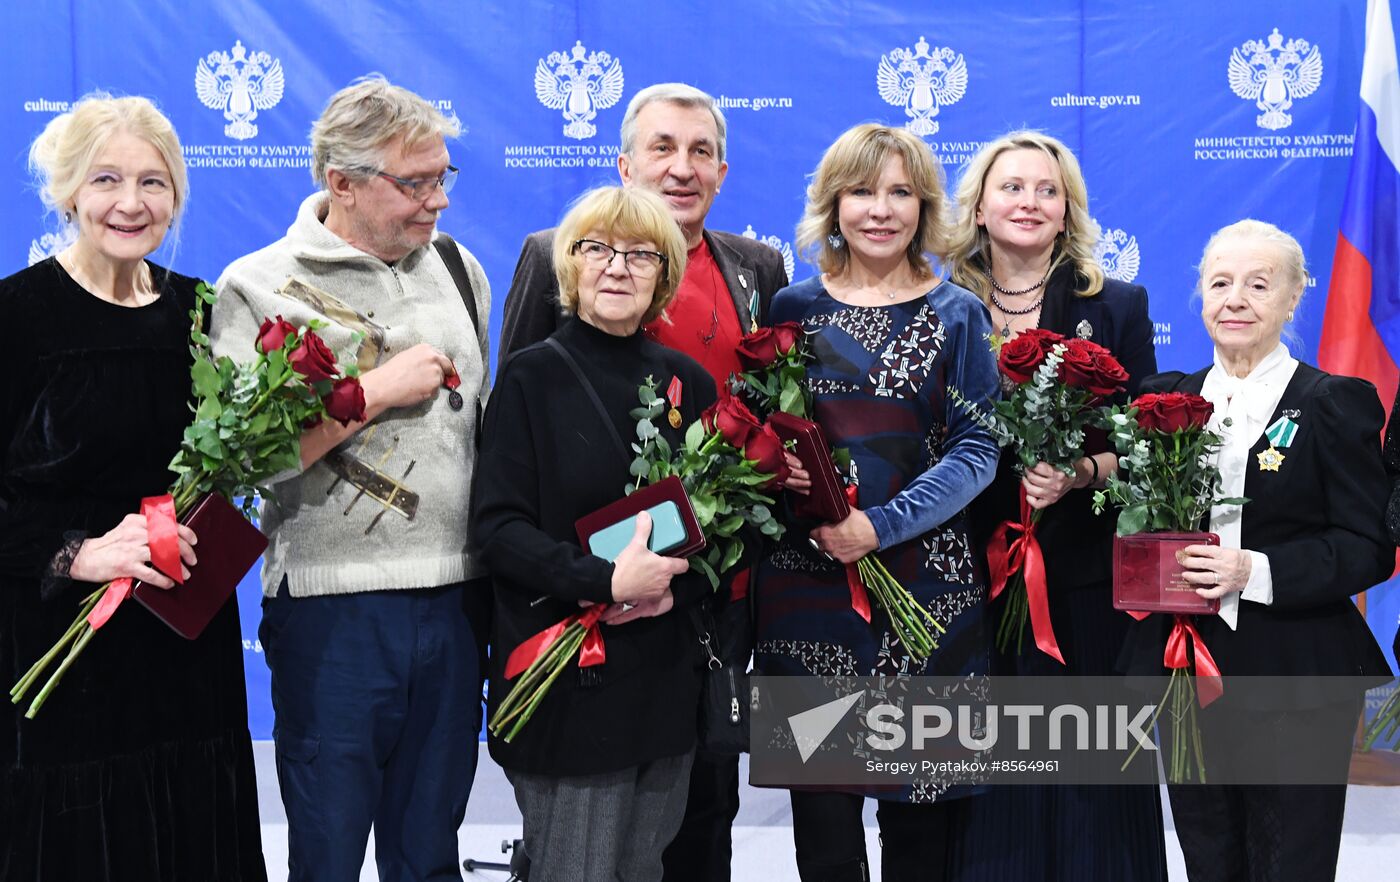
1258	392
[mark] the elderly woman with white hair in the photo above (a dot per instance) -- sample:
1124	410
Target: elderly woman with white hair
1303	446
140	767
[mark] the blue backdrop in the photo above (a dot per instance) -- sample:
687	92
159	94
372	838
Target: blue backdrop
1142	92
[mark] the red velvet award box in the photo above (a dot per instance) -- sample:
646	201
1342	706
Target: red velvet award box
827	501
1147	574
668	494
228	547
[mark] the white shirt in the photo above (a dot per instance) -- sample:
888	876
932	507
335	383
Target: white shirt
1243	406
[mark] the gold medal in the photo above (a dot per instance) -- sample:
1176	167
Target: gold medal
1270	460
674	418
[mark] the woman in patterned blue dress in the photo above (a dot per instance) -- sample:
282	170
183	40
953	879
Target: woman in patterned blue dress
888	338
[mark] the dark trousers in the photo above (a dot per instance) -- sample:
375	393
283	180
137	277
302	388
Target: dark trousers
830	838
1267	832
378	704
702	849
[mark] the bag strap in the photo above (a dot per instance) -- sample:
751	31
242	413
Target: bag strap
456	268
447	249
592	396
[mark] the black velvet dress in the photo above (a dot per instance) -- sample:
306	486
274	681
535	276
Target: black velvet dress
140	766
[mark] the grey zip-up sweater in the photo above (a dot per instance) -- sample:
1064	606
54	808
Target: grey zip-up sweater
312	540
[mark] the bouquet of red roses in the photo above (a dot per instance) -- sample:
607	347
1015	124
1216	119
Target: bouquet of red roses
247	427
1058	385
729	464
1172	481
775	378
1168	454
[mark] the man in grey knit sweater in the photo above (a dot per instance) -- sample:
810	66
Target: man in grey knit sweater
371	627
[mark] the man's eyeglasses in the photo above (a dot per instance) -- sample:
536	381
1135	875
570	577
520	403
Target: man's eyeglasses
640	263
421	188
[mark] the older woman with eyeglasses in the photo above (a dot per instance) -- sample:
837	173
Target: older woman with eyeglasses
601	771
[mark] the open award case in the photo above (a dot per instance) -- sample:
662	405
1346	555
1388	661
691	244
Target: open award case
1148	576
675	531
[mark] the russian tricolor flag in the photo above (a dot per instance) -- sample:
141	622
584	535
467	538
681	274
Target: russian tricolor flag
1361	326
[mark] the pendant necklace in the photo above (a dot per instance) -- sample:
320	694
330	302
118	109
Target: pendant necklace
1008	313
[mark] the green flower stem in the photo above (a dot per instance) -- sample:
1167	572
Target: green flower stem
1016	613
1386	723
519	705
72	656
539	694
1152	722
263	398
556	654
908	618
18	691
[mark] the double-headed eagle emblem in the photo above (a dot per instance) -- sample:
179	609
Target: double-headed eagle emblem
776	244
49	244
1273	74
580	83
1117	254
921	81
240	85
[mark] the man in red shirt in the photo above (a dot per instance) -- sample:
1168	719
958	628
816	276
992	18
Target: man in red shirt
673	142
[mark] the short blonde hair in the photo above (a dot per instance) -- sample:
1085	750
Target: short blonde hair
970	258
63	154
362	119
856	159
622	213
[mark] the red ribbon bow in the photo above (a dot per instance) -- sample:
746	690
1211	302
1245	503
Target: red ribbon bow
591	653
1023	554
860	601
162	539
1208	684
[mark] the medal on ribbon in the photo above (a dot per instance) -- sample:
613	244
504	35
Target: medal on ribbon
1270	460
1281	432
673	395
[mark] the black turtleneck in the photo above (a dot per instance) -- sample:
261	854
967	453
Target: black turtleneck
546	460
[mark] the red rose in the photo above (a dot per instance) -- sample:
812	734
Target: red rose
766	345
313	359
345	403
1020	357
1172	412
273	334
1089	366
1200	410
765	449
731	419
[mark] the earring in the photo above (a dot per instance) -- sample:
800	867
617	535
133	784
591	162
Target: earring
68	217
1289	317
836	240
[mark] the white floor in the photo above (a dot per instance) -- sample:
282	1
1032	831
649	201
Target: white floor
763	838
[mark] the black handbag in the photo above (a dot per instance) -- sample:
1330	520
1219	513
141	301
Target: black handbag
726	641
724	695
